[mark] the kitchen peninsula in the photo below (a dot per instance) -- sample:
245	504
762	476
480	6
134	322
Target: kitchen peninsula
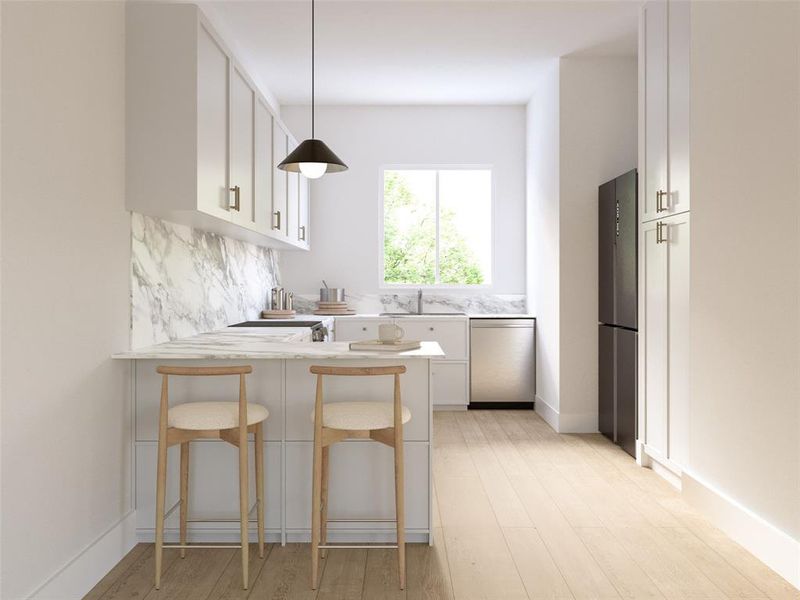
361	480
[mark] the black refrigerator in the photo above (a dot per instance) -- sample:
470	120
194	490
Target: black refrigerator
617	338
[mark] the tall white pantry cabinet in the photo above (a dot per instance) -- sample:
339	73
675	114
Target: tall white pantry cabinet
203	144
664	197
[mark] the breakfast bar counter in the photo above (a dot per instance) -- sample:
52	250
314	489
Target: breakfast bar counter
361	480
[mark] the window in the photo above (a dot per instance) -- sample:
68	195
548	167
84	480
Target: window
437	226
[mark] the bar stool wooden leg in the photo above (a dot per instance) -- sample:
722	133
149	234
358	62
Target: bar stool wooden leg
161	481
324	519
316	516
184	493
243	497
399	490
259	451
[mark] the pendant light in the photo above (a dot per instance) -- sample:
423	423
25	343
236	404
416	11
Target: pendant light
312	157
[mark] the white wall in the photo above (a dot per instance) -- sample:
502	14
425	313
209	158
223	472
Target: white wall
346	206
598	141
745	258
543	236
65	283
582	132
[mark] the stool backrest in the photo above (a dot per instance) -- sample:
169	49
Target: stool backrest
395	370
240	370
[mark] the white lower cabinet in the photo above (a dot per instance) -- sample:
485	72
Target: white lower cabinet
213	488
450	383
449	376
356	330
359	473
664	360
450	333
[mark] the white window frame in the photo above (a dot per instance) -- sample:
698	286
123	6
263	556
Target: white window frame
382	284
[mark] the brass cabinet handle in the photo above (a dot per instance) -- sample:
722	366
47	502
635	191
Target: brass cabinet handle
277	214
660	194
302	233
235	190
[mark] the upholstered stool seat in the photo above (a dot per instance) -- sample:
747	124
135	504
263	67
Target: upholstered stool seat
197	416
360	415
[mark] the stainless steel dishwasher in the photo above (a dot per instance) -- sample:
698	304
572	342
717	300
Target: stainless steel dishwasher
502	363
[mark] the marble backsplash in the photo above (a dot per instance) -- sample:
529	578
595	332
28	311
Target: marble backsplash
432	301
186	281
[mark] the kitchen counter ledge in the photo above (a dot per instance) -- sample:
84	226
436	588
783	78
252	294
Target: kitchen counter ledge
255	343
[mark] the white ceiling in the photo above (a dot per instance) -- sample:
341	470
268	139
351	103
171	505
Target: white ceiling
415	52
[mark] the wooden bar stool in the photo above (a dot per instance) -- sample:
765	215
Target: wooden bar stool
228	421
337	421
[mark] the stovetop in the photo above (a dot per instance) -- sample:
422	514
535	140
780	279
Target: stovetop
312	324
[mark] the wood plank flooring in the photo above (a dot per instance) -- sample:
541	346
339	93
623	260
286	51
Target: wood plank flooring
519	512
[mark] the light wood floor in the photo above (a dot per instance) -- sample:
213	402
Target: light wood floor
521	512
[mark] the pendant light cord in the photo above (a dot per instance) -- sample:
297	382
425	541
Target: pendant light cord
312	69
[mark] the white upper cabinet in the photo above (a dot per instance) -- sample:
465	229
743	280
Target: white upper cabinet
212	126
665	49
242	148
679	43
655	93
202	144
293	199
304	208
262	192
280	180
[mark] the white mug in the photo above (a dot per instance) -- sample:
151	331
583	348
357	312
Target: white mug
388	333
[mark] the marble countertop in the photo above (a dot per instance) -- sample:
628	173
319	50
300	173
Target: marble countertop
258	343
438	316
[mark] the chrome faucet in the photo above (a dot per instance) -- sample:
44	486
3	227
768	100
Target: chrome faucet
419	301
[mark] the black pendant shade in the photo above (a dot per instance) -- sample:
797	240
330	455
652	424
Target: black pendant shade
312	157
312	151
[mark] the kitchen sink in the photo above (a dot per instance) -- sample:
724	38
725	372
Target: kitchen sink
425	314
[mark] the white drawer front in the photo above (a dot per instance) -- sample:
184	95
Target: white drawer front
354	330
451	334
449	383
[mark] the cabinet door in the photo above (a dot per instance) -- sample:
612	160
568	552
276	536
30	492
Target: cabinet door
279	180
676	233
241	150
293	200
654	320
449	383
262	192
679	40
212	126
355	330
303	217
655	98
450	333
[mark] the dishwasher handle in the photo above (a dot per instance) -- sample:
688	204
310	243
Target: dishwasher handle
496	323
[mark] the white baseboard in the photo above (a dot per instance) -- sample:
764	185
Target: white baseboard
662	466
775	548
547	412
577	422
566	422
83	571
